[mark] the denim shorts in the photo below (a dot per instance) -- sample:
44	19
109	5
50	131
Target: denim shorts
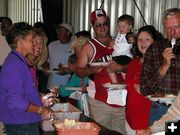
157	111
22	129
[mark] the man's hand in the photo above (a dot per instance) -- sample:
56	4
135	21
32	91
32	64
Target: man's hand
63	70
168	55
94	69
114	67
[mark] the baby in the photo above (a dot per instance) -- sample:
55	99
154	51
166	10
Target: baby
122	46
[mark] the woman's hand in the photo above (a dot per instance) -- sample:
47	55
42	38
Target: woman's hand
49	99
46	113
55	90
143	132
137	87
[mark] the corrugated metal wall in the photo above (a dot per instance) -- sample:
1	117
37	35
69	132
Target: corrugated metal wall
25	10
77	12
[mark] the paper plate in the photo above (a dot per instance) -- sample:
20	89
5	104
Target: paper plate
162	99
52	71
104	64
73	88
169	99
114	86
65	66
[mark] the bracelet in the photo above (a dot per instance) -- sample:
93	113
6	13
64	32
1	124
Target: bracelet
39	110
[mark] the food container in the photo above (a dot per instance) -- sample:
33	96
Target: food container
81	128
61	107
62	111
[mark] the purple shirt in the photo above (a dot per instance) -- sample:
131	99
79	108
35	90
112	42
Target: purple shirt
17	91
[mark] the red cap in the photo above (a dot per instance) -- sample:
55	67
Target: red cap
97	13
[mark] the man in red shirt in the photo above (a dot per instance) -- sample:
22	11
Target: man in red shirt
99	49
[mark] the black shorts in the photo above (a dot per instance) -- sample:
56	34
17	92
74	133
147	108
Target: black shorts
122	59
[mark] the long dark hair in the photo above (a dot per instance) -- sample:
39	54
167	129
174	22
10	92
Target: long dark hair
156	35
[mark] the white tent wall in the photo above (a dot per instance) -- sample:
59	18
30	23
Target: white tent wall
2	8
25	10
77	12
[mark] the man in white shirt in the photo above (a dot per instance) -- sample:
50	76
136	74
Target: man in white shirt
59	51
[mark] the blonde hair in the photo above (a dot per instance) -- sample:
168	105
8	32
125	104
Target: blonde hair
39	61
79	42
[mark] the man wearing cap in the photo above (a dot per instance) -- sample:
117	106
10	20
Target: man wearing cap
59	51
99	49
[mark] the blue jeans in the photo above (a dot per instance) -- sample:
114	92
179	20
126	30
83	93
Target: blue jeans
157	111
22	129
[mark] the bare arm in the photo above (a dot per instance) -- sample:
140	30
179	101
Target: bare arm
45	112
84	57
114	67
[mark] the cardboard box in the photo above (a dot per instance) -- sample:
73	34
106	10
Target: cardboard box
62	111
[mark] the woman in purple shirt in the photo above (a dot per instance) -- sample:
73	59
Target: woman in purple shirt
20	102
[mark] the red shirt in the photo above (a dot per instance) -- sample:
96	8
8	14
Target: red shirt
137	107
102	53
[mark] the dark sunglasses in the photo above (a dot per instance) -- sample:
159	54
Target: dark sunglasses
98	25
